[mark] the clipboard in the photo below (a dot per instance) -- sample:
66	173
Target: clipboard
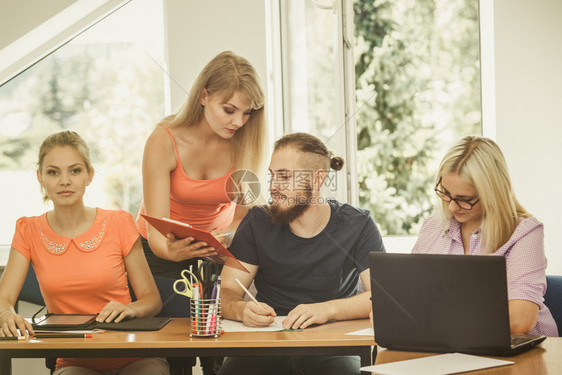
181	230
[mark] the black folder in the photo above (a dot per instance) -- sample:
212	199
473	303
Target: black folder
70	322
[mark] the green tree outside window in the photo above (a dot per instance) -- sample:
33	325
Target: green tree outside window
418	90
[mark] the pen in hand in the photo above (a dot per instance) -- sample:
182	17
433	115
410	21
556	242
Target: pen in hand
223	235
249	294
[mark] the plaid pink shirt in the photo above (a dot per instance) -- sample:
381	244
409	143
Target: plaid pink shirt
523	252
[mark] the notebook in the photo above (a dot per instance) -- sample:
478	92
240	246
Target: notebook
443	303
154	323
66	322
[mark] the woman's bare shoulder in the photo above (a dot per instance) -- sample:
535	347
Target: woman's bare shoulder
160	138
159	150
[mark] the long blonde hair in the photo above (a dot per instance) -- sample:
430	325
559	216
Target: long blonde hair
225	74
480	163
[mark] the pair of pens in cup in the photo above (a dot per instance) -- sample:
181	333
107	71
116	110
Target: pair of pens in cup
48	336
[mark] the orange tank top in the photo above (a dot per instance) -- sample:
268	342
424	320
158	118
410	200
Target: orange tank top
204	204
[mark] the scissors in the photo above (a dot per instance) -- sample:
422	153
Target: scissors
187	290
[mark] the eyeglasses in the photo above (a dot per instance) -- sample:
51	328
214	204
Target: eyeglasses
462	203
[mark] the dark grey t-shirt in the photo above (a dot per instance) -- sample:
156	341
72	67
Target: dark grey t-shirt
294	270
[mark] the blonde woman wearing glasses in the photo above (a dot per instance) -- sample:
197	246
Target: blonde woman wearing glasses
479	215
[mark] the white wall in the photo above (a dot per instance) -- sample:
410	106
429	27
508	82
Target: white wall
528	72
198	30
17	17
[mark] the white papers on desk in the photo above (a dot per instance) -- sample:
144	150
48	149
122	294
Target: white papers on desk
236	326
436	365
363	332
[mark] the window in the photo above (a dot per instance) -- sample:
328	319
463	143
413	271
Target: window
106	85
313	77
417	90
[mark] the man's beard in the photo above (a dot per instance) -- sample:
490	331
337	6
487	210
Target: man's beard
285	215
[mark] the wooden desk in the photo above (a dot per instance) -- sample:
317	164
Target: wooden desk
543	359
173	341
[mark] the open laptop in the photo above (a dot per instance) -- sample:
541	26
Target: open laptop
443	303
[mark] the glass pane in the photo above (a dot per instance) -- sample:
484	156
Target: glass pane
418	91
310	69
105	85
312	78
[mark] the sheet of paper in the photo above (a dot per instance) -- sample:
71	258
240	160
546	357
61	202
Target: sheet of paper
363	332
236	326
442	364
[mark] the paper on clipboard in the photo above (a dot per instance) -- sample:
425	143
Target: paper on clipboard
181	230
236	326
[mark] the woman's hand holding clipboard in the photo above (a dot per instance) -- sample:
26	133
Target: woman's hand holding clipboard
182	230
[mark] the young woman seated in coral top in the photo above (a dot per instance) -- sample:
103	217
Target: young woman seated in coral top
82	256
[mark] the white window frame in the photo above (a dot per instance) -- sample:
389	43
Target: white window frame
52	34
346	80
344	77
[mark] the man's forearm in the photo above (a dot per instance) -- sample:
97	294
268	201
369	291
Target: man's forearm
232	305
356	307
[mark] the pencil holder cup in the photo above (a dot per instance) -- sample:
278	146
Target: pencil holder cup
206	319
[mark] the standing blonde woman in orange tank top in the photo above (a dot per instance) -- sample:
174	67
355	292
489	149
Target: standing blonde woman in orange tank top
190	157
189	161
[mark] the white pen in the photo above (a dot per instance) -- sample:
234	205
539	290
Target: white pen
248	293
176	222
218	295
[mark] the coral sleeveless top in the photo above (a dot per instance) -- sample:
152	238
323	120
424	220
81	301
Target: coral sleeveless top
204	204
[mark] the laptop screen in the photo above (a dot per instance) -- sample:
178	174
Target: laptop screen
440	303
